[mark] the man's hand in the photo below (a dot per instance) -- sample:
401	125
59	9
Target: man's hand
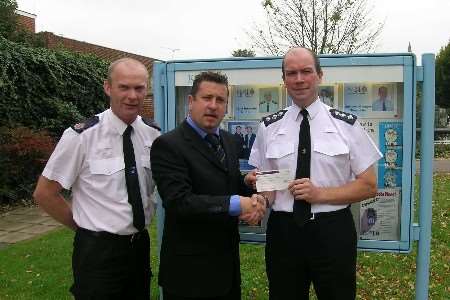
303	189
48	196
250	179
252	209
363	187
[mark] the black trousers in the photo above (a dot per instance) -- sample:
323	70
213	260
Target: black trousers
109	266
322	252
234	294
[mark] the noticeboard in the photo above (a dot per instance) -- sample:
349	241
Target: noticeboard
379	89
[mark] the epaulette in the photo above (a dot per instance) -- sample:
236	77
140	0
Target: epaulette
80	127
151	123
343	116
273	117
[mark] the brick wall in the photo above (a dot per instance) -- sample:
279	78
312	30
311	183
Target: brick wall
57	42
26	20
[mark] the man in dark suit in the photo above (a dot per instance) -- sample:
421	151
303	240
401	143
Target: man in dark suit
240	142
196	170
249	139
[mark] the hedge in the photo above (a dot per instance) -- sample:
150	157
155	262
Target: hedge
46	89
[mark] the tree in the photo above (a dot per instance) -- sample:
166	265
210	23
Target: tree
443	77
324	26
244	53
11	30
8	21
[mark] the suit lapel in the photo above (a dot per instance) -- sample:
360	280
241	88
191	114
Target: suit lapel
201	146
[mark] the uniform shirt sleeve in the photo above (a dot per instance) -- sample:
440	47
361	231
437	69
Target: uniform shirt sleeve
363	151
257	154
66	160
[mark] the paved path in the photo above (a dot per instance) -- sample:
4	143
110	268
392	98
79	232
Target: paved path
24	223
439	166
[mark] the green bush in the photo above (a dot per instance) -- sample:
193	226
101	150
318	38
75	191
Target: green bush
23	154
58	115
440	151
42	88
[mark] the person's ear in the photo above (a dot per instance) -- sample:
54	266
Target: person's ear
107	88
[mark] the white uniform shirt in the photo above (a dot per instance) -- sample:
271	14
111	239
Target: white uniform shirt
92	164
339	150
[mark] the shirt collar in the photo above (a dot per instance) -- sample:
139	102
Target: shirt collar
199	130
313	109
118	124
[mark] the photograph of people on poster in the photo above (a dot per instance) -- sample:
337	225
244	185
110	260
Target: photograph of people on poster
326	95
357	99
254	102
268	100
244	133
384	100
371	100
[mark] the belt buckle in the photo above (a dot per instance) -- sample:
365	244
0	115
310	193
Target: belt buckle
134	237
313	216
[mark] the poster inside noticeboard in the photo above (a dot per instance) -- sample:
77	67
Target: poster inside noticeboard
371	100
252	102
379	109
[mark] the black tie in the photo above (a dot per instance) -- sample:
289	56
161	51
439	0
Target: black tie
384	105
213	140
132	181
302	209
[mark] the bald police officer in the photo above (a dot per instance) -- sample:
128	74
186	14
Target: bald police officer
105	161
310	233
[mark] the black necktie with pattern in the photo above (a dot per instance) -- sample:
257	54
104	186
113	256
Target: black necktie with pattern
302	209
132	181
214	141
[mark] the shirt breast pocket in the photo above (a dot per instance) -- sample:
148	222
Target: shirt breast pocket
145	163
281	154
107	166
332	154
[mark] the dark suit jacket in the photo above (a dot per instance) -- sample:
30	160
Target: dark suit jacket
239	139
200	244
248	145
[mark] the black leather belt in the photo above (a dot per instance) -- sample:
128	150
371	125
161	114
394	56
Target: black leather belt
316	216
131	238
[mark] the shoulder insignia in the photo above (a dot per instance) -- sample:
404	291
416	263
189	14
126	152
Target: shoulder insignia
80	127
273	117
343	116
151	123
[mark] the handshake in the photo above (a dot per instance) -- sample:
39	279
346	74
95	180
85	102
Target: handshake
253	208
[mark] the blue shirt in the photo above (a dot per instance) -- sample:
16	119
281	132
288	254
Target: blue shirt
235	201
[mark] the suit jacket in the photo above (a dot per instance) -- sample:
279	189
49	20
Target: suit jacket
249	141
239	139
200	244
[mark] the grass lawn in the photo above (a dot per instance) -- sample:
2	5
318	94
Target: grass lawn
41	268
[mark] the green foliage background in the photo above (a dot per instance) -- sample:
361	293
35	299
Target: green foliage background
443	77
45	89
42	92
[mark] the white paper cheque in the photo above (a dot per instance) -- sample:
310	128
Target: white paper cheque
274	180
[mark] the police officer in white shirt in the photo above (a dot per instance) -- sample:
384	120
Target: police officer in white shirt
323	249
111	257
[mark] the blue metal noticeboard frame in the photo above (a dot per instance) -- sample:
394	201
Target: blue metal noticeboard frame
164	83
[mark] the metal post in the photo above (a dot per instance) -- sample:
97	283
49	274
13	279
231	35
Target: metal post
159	104
426	177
